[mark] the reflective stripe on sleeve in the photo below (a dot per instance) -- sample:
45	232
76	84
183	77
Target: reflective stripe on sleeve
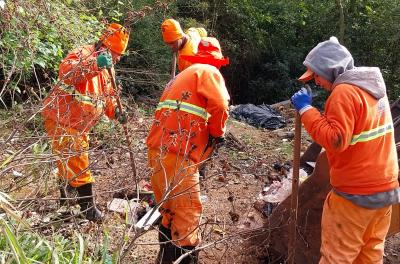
80	97
372	134
183	106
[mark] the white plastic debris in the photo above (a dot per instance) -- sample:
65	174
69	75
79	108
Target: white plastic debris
280	190
311	163
203	198
2	4
148	219
277	191
122	205
16	174
302	175
54	172
126	207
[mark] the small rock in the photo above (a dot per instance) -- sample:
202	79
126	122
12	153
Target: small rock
16	174
251	215
285	134
221	178
234	216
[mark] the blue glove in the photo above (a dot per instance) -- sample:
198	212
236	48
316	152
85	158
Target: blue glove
302	100
104	60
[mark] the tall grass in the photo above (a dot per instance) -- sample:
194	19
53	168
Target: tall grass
25	247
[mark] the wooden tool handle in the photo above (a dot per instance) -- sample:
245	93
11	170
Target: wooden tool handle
295	190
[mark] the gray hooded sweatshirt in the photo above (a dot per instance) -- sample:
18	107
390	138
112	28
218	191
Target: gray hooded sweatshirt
333	62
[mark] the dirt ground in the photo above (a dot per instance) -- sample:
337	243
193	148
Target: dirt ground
234	179
233	182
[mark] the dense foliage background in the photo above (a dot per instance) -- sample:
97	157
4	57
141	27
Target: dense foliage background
266	41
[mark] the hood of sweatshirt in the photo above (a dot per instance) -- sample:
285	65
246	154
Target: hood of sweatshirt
329	59
367	78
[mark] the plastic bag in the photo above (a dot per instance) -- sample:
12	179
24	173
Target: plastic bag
277	191
258	115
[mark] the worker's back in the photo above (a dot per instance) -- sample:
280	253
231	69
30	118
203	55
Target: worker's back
200	94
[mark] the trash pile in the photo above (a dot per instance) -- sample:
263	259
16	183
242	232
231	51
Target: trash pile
263	116
278	191
137	210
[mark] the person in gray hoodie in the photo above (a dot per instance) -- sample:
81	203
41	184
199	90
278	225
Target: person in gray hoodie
356	131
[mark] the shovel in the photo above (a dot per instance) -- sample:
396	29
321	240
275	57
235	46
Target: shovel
173	65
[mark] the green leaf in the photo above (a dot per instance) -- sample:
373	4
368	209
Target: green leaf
81	248
7	160
4	198
41	63
13	243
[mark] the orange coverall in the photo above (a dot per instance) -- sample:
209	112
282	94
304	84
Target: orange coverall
358	233
194	106
72	108
363	160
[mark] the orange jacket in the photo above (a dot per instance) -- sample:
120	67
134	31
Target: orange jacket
190	48
193	106
357	133
84	92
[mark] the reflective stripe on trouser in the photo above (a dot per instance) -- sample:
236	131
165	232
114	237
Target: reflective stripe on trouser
71	149
352	234
182	212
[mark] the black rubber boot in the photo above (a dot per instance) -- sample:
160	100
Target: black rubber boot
203	172
192	258
169	252
87	204
166	255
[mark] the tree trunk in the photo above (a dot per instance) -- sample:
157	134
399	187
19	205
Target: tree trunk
341	21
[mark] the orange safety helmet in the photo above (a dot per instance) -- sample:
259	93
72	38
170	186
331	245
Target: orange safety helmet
209	52
171	30
115	38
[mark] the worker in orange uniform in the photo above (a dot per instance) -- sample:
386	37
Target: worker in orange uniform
193	109
356	131
75	104
185	43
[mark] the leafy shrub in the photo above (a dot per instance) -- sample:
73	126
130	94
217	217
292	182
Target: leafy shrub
34	36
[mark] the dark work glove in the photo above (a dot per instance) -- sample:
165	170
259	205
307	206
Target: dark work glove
216	142
122	118
104	60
